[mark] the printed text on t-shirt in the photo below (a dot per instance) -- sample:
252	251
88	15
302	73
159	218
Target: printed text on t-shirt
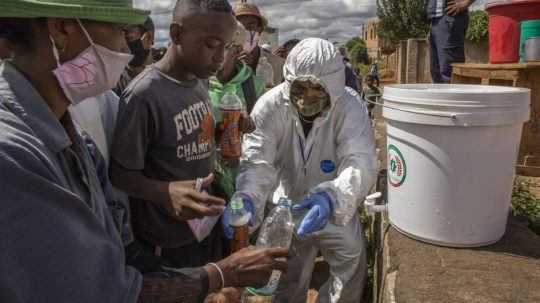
196	118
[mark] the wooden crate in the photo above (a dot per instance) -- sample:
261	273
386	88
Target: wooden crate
517	75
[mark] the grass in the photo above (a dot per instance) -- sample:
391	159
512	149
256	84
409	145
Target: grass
525	204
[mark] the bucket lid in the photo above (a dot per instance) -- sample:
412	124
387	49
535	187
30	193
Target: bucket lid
456	104
493	3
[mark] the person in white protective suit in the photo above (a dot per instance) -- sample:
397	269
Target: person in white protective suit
313	144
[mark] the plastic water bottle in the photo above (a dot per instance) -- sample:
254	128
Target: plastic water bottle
230	144
239	222
277	231
265	70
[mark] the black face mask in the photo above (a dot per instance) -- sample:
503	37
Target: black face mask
139	53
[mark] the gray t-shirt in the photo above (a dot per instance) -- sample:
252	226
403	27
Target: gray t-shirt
165	128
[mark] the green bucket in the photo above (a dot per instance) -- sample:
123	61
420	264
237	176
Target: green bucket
529	29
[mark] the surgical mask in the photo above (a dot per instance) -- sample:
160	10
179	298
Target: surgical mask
93	72
309	107
139	53
252	40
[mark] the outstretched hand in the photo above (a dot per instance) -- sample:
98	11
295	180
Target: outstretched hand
252	266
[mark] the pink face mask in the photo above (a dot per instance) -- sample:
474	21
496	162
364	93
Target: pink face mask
93	72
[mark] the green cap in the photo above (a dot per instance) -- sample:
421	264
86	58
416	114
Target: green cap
237	204
114	11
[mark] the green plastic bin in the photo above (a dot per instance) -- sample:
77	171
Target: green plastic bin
529	29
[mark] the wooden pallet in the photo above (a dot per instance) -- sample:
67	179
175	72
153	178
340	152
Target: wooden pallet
525	75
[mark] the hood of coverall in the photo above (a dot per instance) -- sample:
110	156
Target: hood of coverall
317	59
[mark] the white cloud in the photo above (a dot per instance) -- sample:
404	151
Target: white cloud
335	20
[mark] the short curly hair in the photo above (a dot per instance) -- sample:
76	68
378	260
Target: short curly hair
184	7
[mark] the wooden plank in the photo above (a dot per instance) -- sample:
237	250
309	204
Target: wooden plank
530	65
529	171
458	79
487	74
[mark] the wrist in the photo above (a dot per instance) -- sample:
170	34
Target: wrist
328	199
215	282
228	273
164	195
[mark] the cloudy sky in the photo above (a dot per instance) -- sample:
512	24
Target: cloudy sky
335	20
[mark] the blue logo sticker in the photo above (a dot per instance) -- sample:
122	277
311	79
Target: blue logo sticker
328	166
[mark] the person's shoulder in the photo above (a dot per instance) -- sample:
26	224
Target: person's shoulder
350	103
19	145
203	84
271	101
351	94
10	123
147	83
275	96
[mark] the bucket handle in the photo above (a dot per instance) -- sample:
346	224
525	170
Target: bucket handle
450	116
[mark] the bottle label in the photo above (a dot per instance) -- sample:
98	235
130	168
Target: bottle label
230	143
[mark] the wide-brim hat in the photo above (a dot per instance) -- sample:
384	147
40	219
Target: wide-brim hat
114	11
248	9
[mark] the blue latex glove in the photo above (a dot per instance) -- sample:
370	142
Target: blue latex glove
226	218
320	209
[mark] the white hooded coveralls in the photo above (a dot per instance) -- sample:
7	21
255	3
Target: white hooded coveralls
338	156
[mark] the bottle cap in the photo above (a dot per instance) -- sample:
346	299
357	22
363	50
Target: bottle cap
237	204
284	202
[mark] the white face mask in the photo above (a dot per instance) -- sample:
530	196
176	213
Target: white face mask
93	72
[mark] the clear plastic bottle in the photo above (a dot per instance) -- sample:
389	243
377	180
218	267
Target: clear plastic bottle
277	231
239	222
231	108
265	70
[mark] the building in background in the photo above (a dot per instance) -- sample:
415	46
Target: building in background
370	36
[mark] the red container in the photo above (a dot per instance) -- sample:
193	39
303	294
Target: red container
504	28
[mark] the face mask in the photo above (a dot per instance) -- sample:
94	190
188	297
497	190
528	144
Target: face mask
93	72
309	107
252	40
139	53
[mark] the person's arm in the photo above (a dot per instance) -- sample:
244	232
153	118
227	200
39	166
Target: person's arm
356	162
180	197
257	175
454	7
135	129
247	267
54	248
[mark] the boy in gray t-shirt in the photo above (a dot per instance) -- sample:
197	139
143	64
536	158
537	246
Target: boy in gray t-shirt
164	138
166	130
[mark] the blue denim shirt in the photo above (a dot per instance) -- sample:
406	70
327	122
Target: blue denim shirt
58	241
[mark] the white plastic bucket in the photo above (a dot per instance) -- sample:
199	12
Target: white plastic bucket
452	150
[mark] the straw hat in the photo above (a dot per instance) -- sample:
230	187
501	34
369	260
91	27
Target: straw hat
248	9
114	11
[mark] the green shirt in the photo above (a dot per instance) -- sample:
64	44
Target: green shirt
225	176
217	89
